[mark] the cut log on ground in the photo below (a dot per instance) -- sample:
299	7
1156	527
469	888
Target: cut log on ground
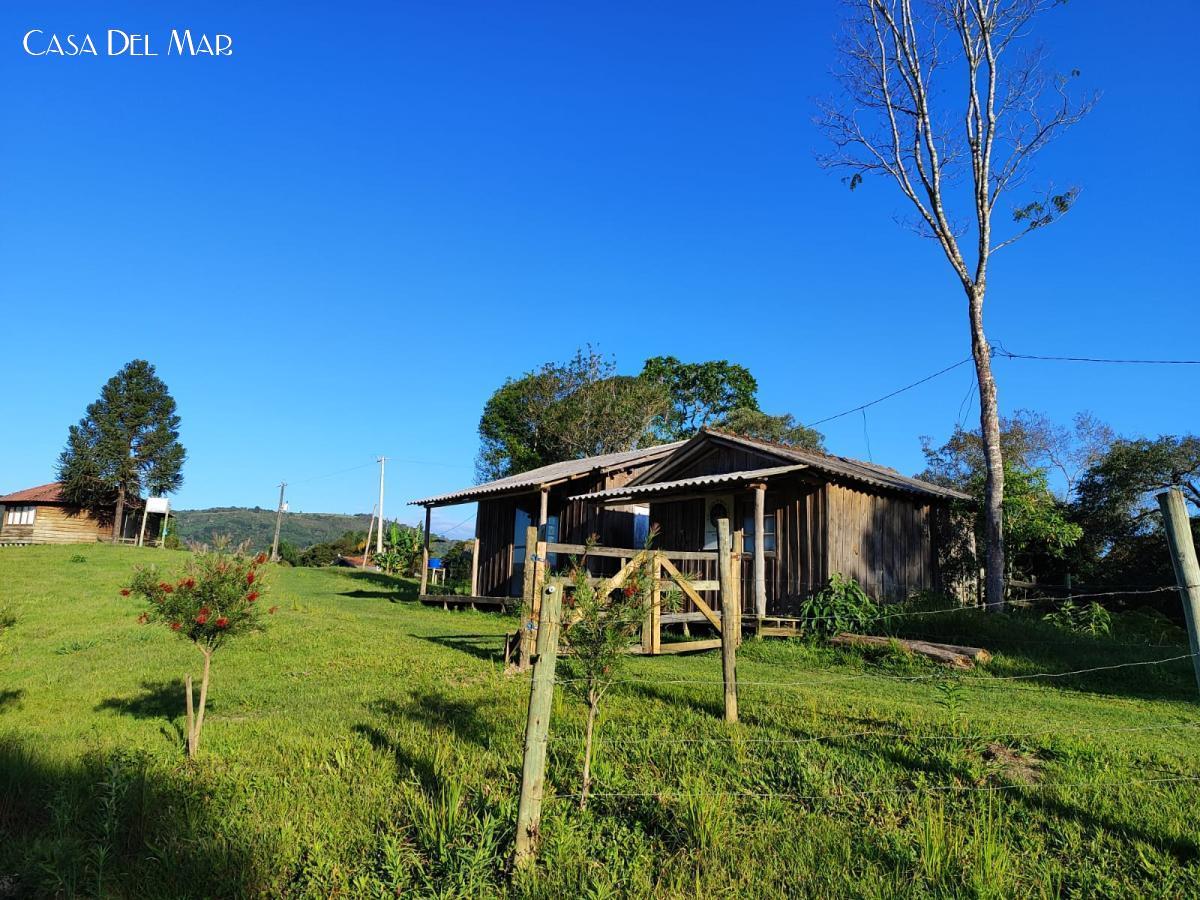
953	655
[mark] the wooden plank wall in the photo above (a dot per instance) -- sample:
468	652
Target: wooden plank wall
495	529
883	541
66	525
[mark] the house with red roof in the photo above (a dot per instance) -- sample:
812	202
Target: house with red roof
41	515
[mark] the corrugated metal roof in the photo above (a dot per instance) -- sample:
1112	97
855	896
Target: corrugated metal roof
553	473
640	490
856	470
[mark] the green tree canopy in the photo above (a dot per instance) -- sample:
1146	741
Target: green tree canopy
703	393
566	411
127	442
782	429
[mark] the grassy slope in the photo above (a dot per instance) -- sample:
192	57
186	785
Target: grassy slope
258	526
366	745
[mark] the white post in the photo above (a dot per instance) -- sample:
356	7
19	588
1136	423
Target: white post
379	533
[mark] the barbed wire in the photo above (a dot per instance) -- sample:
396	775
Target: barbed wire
848	795
736	740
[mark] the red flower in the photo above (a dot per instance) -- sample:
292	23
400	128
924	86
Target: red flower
202	618
272	610
166	588
175	626
250	577
204	610
222	622
125	592
187	583
252	596
260	559
630	591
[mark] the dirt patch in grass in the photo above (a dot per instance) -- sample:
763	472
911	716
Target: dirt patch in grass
1022	768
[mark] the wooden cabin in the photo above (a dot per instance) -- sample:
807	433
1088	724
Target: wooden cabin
799	516
817	514
41	515
543	498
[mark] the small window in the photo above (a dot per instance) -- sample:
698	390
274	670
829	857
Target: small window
748	535
19	515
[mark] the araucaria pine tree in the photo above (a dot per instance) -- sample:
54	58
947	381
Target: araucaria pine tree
127	442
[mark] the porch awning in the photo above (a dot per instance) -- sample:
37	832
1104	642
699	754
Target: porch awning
686	485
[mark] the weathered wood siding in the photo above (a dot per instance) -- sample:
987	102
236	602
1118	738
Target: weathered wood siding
58	525
883	541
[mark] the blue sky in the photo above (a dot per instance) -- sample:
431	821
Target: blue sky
339	241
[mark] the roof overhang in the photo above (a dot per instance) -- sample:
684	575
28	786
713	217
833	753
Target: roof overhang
685	487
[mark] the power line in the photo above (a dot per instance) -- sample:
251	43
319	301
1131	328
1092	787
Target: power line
1092	359
907	387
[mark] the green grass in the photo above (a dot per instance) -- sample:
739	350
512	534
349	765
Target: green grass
365	745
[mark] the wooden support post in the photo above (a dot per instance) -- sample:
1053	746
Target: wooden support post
142	530
544	513
760	558
424	548
730	620
735	567
530	602
537	728
475	568
1187	570
650	624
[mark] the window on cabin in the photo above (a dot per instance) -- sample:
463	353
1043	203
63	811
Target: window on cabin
748	535
19	515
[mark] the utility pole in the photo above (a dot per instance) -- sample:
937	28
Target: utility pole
278	524
379	533
1187	570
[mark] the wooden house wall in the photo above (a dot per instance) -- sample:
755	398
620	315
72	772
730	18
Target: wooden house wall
54	524
885	542
494	528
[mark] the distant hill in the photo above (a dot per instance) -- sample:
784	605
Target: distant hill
257	526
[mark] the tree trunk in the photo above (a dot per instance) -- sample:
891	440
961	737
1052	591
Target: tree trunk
593	709
203	701
989	428
191	717
119	514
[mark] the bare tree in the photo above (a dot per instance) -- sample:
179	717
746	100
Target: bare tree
933	89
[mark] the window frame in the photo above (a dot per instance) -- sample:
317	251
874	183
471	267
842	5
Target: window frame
20	516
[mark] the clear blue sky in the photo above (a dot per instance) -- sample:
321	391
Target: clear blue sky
339	241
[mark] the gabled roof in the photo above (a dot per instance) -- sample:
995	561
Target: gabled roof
555	473
43	493
837	466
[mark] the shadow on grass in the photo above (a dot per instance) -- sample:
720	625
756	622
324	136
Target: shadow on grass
157	700
117	824
10	698
488	647
395	589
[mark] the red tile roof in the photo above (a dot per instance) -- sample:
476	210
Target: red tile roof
44	493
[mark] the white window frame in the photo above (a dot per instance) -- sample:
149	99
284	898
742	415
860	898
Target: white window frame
20	515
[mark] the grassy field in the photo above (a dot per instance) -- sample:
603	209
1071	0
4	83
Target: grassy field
367	746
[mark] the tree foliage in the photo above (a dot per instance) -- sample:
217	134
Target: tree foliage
703	393
127	442
566	411
781	429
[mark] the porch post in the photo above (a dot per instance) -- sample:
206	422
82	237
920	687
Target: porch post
544	513
760	559
475	567
424	549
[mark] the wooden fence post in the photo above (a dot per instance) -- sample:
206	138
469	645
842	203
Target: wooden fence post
530	600
730	620
537	728
1187	570
651	624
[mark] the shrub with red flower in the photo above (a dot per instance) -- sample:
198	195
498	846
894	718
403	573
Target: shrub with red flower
209	605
